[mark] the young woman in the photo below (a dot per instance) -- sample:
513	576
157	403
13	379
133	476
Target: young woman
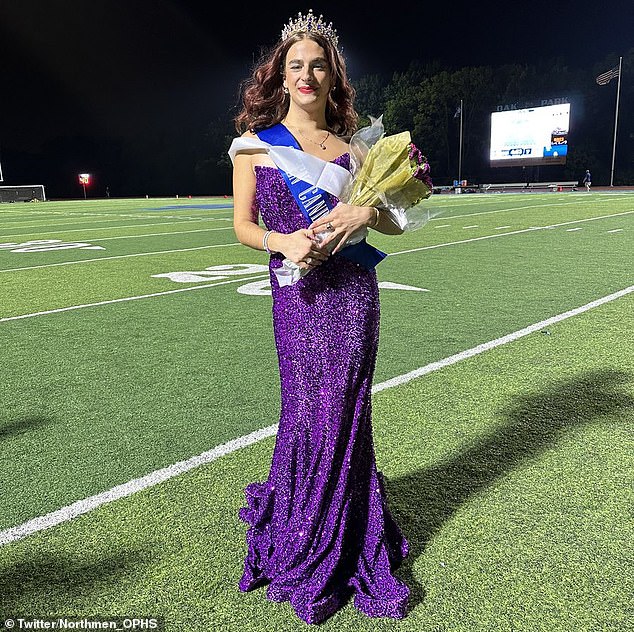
319	528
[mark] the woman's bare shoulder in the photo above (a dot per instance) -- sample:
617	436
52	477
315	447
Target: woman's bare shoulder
343	144
257	157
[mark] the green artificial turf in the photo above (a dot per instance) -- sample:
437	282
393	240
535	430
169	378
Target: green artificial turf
510	473
519	456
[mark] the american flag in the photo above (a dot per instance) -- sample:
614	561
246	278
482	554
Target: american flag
606	77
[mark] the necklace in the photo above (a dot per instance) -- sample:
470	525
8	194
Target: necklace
320	144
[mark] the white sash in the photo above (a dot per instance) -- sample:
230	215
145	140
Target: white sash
328	176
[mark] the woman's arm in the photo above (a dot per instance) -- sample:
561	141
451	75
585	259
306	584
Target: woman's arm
245	215
346	219
298	246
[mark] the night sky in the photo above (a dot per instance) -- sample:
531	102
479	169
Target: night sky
83	82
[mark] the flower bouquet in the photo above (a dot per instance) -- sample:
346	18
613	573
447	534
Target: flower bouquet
391	173
388	172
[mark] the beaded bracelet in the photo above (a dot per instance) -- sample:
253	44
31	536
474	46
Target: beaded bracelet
265	241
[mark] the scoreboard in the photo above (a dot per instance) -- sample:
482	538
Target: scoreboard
532	136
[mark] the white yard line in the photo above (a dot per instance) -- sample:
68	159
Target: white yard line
503	210
128	298
136	254
616	230
174	232
51	227
571	230
513	232
87	505
87	230
542	324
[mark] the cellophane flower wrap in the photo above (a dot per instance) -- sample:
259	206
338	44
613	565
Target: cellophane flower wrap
389	172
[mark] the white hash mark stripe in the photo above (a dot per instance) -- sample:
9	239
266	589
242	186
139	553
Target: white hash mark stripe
125	299
86	505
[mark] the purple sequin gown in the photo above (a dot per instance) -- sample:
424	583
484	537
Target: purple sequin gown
319	528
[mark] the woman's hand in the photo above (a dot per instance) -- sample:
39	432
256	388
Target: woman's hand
300	247
343	221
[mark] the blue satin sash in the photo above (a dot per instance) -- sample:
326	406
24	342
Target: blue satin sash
314	202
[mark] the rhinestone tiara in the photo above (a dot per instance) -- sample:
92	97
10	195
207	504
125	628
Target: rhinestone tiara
310	24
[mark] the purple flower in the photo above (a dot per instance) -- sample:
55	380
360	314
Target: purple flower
420	165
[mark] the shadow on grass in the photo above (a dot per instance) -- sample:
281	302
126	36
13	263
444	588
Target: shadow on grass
21	426
423	501
51	583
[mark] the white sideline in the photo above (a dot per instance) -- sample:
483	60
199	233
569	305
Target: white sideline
86	505
128	298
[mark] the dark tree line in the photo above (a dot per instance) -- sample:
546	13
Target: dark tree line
424	100
183	156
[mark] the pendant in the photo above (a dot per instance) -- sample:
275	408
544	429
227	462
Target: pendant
322	146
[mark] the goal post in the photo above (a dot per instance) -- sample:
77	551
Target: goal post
23	193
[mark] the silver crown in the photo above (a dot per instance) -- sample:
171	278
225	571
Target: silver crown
310	24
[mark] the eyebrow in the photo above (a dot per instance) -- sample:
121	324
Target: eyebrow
301	61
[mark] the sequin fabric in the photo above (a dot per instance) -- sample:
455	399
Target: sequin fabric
319	529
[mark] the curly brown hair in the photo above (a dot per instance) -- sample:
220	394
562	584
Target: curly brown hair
264	102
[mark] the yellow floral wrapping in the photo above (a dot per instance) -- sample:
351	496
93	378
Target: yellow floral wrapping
386	176
383	176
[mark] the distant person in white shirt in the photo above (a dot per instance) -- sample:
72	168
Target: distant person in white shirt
587	180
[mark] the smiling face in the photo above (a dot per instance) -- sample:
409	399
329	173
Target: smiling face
307	75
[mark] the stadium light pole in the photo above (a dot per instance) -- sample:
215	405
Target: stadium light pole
616	122
84	179
460	150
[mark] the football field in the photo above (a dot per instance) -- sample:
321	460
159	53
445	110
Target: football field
140	395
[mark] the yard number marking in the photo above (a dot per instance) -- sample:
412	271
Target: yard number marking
47	245
256	288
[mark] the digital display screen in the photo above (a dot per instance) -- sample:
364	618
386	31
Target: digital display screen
530	136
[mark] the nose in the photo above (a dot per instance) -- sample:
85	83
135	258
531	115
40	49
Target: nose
307	75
